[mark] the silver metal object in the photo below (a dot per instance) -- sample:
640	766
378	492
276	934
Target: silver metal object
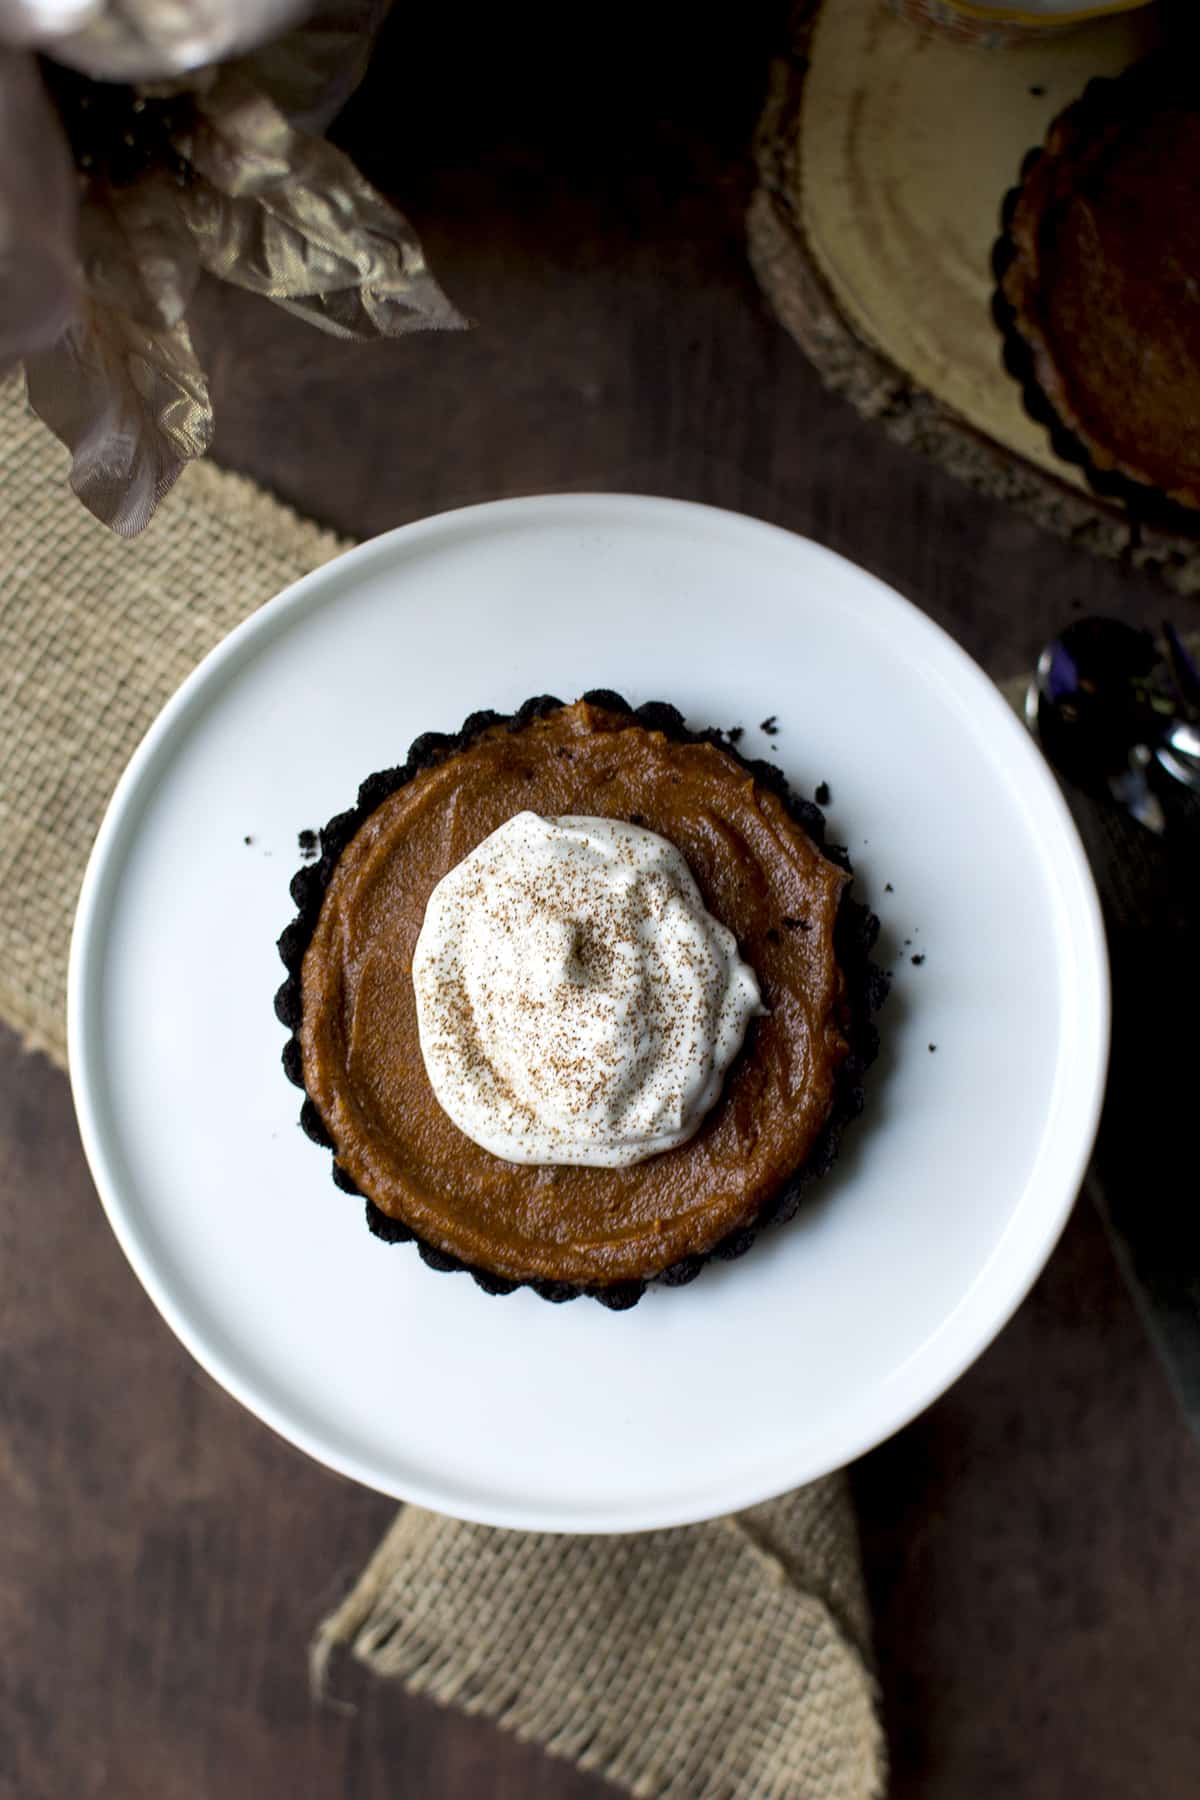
1129	787
1107	725
1179	754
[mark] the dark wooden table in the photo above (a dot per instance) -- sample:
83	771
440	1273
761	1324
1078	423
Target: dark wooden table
1033	1542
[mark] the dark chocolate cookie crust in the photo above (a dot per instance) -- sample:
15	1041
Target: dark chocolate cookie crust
854	937
1103	102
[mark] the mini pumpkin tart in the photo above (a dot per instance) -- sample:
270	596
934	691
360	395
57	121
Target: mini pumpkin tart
1099	288
579	998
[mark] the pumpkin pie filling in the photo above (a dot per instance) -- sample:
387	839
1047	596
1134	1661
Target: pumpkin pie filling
1099	294
359	1031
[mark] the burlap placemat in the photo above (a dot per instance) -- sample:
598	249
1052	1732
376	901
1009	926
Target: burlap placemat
727	1660
721	1662
96	632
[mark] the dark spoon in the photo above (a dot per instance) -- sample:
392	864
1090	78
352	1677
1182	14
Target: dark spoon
1107	701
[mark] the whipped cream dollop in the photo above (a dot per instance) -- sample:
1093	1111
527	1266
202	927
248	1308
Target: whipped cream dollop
576	1001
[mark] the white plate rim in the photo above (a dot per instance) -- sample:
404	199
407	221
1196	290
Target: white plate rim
103	867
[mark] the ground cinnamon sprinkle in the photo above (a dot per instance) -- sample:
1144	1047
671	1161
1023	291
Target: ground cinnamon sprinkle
576	1000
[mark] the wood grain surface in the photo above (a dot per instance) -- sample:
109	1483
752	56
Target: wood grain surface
1033	1542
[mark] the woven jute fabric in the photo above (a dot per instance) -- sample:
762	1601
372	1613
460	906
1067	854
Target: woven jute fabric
727	1659
96	632
718	1662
